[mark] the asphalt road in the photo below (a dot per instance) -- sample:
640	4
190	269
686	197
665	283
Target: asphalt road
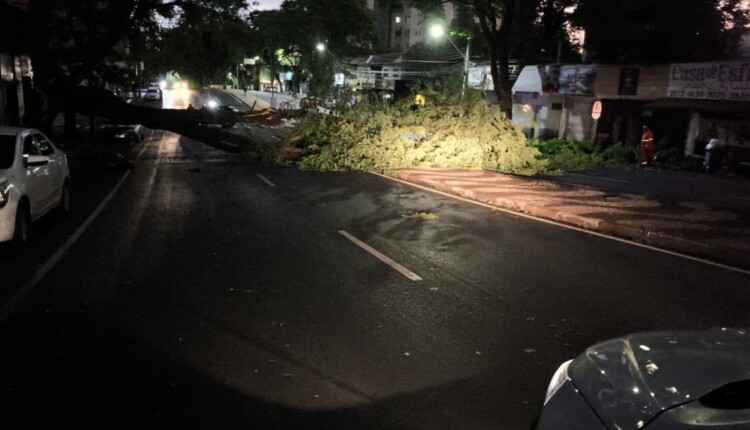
212	294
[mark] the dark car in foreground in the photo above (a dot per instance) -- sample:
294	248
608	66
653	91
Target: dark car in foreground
655	381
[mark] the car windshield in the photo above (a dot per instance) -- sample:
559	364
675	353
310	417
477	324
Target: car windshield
7	151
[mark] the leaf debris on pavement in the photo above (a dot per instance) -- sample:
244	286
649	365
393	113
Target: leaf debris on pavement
425	215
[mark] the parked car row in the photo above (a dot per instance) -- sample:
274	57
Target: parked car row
34	180
35	173
153	94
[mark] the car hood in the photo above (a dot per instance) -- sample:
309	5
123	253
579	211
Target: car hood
630	380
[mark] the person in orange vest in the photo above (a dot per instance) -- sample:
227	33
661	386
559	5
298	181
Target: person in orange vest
648	150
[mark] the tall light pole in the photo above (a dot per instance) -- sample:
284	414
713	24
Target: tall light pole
437	31
322	48
273	76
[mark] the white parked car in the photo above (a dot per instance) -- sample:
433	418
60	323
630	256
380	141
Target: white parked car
34	180
152	94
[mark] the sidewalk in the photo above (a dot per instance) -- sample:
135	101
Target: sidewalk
704	216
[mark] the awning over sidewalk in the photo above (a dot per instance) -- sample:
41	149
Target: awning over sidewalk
712	106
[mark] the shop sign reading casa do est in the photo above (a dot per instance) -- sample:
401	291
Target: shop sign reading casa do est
710	81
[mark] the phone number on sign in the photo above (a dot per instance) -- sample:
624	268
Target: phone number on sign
711	95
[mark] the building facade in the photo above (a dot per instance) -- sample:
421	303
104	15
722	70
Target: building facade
400	28
685	104
16	75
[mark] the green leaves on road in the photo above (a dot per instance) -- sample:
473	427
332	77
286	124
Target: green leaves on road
445	133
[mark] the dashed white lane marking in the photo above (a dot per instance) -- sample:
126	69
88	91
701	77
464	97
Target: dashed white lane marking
188	161
377	254
264	179
145	147
7	309
169	147
570	227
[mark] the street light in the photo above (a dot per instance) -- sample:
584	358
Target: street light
322	48
273	75
437	31
255	73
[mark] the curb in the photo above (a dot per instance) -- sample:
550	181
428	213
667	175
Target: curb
719	254
258	102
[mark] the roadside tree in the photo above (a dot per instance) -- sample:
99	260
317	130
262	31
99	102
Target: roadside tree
345	28
75	42
506	27
663	31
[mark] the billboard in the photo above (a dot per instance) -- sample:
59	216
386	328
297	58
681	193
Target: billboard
710	81
577	80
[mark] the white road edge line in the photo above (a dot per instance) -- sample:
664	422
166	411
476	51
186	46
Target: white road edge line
377	254
145	146
7	309
264	179
581	175
570	227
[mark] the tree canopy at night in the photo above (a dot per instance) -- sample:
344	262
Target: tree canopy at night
344	27
507	28
661	31
622	31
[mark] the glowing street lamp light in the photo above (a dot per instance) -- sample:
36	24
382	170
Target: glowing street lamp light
437	31
321	47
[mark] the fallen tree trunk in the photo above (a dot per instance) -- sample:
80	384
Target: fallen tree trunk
93	101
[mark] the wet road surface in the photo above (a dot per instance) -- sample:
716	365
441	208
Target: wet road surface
212	294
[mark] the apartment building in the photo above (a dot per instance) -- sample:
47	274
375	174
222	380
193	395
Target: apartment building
400	28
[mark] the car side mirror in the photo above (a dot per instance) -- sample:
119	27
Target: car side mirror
35	160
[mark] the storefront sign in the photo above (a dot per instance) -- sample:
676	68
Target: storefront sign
710	81
629	82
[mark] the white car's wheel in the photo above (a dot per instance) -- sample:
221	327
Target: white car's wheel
23	224
64	207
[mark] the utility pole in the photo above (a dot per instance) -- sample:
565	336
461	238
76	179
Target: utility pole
466	66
